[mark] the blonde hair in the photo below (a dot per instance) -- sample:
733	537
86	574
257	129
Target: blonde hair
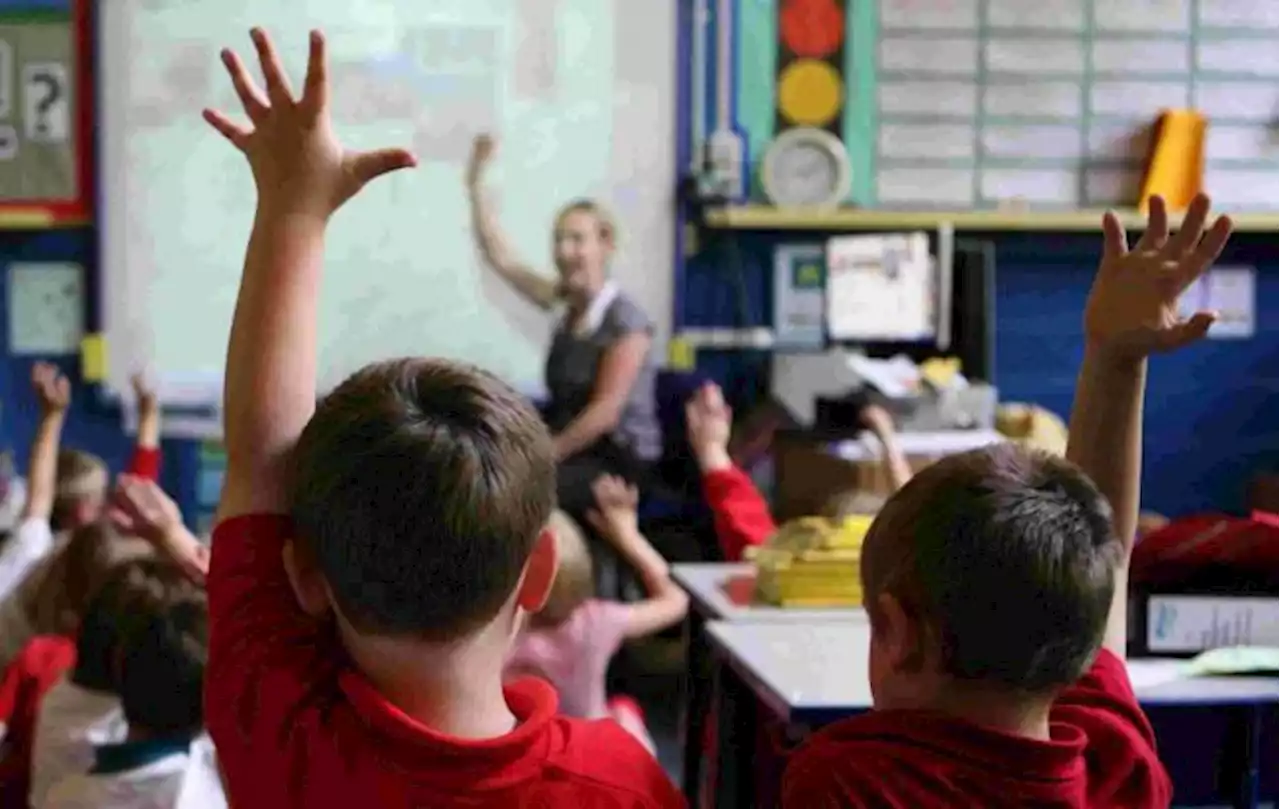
81	476
575	578
605	224
851	503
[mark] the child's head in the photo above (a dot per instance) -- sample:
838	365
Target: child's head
575	580
106	620
57	599
993	568
81	492
421	493
163	645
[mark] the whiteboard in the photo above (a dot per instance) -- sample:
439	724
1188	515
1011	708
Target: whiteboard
578	92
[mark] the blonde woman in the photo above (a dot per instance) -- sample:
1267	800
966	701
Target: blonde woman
600	369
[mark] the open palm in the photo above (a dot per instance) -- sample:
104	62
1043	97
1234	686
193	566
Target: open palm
1133	305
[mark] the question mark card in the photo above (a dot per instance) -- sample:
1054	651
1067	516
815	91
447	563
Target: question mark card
46	111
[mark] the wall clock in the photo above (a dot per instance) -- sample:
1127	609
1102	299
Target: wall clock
806	168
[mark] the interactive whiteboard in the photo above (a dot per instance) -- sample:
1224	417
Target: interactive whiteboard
579	94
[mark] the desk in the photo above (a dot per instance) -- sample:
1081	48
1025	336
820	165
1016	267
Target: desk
816	673
705	584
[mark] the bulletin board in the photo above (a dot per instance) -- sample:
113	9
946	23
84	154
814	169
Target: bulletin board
988	102
44	111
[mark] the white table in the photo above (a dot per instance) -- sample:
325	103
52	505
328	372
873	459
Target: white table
705	581
812	674
939	443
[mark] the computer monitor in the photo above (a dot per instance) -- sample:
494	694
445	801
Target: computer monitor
972	310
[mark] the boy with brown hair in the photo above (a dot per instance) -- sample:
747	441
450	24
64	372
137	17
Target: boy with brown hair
376	553
996	584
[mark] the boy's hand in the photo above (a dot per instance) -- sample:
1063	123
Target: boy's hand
1132	309
146	395
53	391
298	164
482	149
709	421
140	508
615	512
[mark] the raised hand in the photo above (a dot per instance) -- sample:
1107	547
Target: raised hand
1132	309
140	508
53	391
482	150
708	422
616	503
144	392
298	164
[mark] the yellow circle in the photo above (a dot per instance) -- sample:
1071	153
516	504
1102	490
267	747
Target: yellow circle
810	92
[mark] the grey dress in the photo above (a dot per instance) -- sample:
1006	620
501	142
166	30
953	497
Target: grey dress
570	377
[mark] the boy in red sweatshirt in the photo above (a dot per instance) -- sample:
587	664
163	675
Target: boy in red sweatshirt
376	553
742	517
996	585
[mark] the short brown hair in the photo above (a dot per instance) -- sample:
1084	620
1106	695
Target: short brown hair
575	579
1007	557
81	475
164	644
420	486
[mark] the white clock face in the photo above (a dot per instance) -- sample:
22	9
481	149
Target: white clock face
805	173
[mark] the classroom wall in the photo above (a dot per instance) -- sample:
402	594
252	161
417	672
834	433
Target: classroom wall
1211	410
91	426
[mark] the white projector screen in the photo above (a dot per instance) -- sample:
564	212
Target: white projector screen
579	93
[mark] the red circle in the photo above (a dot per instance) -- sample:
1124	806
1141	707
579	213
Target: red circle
811	29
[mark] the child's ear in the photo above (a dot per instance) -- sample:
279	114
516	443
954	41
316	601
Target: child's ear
539	573
900	635
306	580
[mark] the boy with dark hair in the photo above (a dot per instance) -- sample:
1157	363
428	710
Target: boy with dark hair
996	583
375	554
162	629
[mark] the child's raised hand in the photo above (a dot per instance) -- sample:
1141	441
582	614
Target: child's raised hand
615	512
53	391
298	164
708	421
145	393
1132	309
139	507
876	419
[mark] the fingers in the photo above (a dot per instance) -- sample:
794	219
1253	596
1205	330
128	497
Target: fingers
369	165
121	521
251	98
1157	232
315	90
278	91
1211	244
1191	229
235	133
1114	241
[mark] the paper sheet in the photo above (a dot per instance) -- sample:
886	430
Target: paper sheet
46	308
881	288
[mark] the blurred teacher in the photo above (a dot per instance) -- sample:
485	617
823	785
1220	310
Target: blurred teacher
599	371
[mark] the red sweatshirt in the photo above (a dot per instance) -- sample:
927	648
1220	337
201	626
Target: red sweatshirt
742	516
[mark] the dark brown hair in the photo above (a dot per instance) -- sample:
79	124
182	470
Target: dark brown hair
1007	558
420	486
163	647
